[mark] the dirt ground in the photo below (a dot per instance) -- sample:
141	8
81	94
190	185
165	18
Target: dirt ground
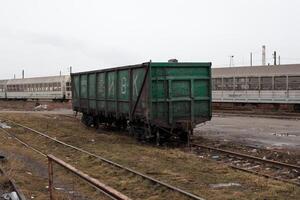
5	187
173	166
32	105
182	169
262	132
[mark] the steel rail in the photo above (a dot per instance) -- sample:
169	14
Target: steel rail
111	192
46	156
181	191
242	114
14	186
253	158
248	156
22	142
264	175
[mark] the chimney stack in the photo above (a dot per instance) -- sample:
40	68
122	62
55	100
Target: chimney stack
23	74
263	55
275	58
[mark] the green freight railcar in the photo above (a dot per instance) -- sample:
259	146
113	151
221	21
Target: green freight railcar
155	100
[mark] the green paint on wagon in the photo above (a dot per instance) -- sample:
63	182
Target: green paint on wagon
172	92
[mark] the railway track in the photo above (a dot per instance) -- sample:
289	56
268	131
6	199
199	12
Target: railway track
291	116
11	188
43	148
276	170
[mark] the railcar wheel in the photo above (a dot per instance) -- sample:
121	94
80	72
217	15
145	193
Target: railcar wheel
96	122
124	125
138	133
158	139
131	130
83	119
87	120
118	125
184	136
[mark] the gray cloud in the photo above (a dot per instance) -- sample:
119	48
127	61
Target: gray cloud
44	37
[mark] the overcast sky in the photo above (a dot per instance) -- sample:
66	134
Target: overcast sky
44	37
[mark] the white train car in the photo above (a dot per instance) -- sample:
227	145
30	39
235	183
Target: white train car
3	89
278	84
40	88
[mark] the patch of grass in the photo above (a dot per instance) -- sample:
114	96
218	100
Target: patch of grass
173	166
4	183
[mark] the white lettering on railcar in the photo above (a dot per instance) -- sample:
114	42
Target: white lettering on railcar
101	85
135	84
111	84
123	85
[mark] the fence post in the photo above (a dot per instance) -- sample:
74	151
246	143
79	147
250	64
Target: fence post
50	173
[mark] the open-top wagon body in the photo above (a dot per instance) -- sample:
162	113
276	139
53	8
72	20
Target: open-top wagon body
155	100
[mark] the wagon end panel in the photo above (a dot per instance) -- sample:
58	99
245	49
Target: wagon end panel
181	92
80	92
75	81
202	95
83	92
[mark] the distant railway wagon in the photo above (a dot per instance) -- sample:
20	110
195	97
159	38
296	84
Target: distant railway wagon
278	86
3	84
41	88
155	100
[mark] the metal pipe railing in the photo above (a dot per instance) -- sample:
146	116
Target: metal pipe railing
108	191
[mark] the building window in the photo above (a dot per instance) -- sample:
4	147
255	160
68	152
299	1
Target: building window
228	84
253	83
241	83
217	83
280	83
25	88
266	83
294	82
58	86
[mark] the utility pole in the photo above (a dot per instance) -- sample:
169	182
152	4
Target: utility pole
251	59
231	64
275	58
263	55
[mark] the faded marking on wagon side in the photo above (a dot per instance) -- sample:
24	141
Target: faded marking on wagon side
111	84
123	85
135	78
101	84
